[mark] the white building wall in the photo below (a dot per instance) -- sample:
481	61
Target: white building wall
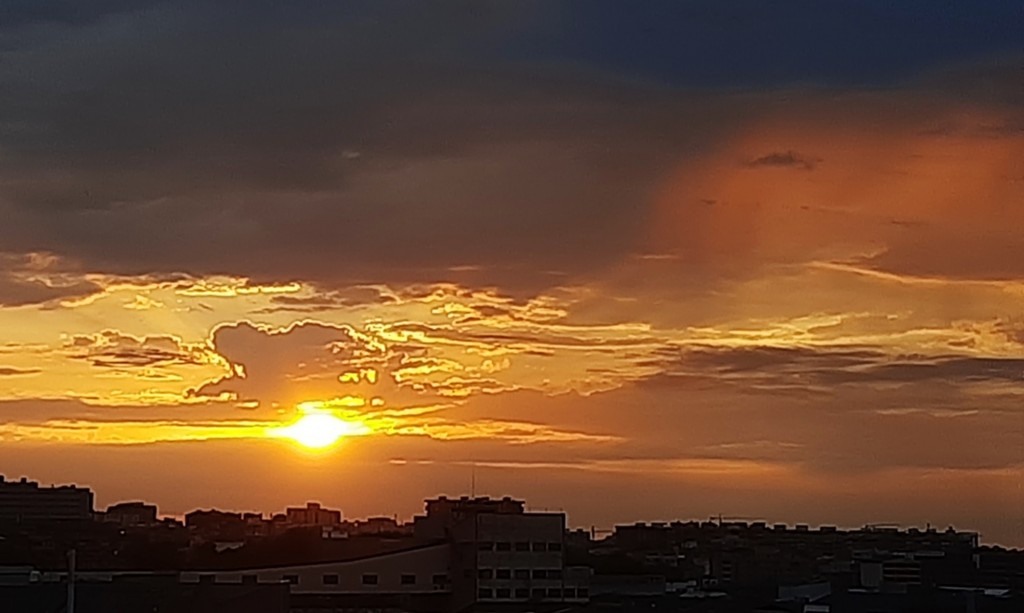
428	565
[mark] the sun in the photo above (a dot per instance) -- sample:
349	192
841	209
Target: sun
319	430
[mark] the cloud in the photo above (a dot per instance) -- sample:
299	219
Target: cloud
116	350
331	299
136	156
305	361
74	422
9	371
785	159
40	278
829	366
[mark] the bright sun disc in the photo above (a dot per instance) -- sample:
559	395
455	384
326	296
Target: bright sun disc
318	430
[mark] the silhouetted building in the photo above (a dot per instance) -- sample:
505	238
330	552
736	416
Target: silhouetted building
131	514
376	526
218	526
25	500
483	554
312	515
751	555
502	555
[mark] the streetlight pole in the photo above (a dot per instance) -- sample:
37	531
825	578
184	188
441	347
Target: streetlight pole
71	581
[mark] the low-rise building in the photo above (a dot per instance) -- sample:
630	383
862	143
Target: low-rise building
502	554
312	515
130	514
26	501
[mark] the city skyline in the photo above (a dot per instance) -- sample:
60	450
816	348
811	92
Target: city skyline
99	509
691	258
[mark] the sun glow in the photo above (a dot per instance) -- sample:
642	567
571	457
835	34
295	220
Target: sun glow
317	430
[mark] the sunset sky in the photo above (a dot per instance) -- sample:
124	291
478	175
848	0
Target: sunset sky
631	260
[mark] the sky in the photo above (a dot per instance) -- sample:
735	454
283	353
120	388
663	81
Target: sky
636	261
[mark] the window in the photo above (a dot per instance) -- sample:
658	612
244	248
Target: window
330	579
408	579
522	573
485	546
540	573
369	579
522	592
504	573
555	573
503	592
292	579
582	592
538	593
540	547
485	573
554	546
440	579
522	546
569	593
503	546
485	592
554	592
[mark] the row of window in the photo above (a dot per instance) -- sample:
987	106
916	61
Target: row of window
369	579
537	593
519	573
519	546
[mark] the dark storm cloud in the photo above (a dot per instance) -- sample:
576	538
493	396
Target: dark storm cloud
182	138
351	142
745	43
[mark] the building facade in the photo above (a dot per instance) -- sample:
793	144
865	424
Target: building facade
503	555
131	514
25	501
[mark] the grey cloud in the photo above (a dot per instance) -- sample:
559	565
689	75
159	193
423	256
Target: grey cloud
330	299
16	292
811	366
956	368
790	159
262	150
113	349
342	145
27	279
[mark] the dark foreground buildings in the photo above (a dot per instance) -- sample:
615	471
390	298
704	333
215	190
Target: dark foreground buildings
474	554
26	501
